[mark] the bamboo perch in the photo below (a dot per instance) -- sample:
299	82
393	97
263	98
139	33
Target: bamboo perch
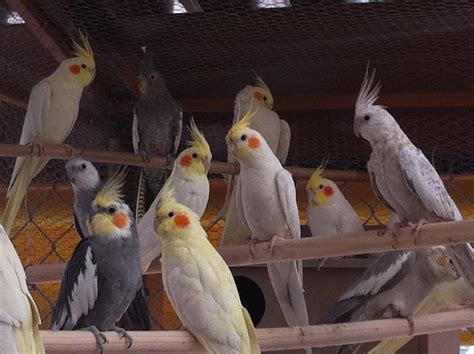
312	247
269	338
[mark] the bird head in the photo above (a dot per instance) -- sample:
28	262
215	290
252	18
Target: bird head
260	95
172	218
82	174
320	190
196	159
150	80
372	122
441	264
110	216
81	68
244	143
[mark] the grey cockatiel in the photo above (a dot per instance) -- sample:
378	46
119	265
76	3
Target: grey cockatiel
402	177
259	101
394	286
86	183
157	124
104	274
266	202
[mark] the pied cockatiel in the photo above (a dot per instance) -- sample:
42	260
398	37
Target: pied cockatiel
257	100
51	114
393	286
156	130
402	177
265	196
104	274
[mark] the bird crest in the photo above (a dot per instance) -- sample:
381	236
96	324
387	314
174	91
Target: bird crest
111	192
198	140
369	93
317	175
240	125
84	51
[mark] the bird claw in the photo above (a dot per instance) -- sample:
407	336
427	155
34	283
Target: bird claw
123	334
39	146
411	324
416	229
252	244
145	157
273	242
69	150
100	337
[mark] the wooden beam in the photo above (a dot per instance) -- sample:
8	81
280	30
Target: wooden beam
269	338
448	233
12	99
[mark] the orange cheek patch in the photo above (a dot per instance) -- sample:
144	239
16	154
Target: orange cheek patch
186	160
181	221
120	220
75	69
254	142
258	96
328	191
442	260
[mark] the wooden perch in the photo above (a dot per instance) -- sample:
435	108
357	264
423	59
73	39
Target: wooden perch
312	247
268	338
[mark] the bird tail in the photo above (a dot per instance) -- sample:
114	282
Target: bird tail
463	258
287	285
235	233
30	167
137	316
254	347
151	182
140	209
28	337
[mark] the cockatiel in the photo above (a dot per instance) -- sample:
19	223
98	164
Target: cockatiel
104	274
329	212
189	181
19	317
402	177
394	286
156	130
86	183
258	100
199	283
51	114
266	203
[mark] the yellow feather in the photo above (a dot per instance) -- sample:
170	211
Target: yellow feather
198	141
111	192
316	177
239	126
84	51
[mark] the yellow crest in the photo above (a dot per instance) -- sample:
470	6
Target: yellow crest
317	175
111	192
240	125
84	51
167	199
198	141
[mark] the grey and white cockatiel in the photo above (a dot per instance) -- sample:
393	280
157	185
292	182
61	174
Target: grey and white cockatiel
156	130
191	188
395	285
402	177
51	114
19	316
259	101
86	183
104	274
266	202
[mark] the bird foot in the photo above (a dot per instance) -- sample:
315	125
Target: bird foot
145	157
273	242
100	337
411	324
123	334
39	146
69	150
252	244
416	229
321	263
170	162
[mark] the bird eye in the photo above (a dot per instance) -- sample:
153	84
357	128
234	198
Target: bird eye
243	137
84	66
195	155
320	186
170	214
111	210
366	117
153	76
83	166
265	98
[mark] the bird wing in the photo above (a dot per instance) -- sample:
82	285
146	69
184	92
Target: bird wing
287	195
36	113
382	275
178	132
375	188
206	300
239	204
135	135
422	180
79	288
284	141
77	226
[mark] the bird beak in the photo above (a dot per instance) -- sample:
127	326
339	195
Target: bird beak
207	163
93	74
231	146
357	128
156	223
142	86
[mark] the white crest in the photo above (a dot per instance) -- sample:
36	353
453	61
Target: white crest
369	93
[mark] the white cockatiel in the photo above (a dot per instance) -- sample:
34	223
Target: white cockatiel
19	317
189	181
402	177
266	203
258	100
329	212
51	114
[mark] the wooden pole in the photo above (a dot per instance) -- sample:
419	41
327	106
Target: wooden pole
268	338
447	233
